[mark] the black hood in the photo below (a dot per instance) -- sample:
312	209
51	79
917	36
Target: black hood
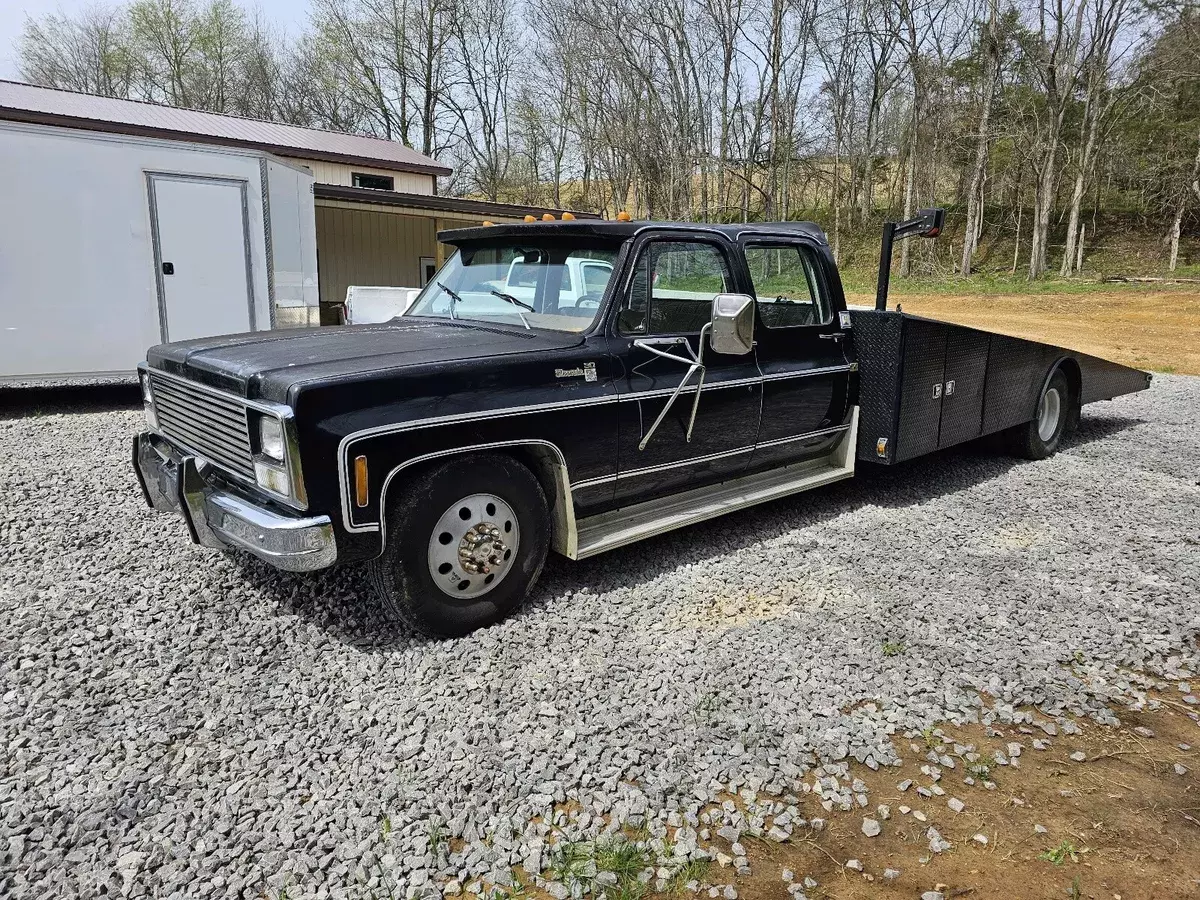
266	364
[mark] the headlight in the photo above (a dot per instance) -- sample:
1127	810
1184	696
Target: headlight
270	438
148	404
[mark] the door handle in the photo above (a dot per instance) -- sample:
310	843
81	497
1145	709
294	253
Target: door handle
832	336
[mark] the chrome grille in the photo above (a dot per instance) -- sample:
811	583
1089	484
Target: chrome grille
211	425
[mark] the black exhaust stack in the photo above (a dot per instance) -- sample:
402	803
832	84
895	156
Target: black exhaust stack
928	223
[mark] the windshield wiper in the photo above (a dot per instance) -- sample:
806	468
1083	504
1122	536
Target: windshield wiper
509	298
454	298
513	300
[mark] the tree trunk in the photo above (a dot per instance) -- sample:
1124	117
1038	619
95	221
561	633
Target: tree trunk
1092	113
1068	266
910	190
1173	237
1017	244
1043	203
991	70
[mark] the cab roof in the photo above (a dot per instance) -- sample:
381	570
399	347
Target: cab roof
618	232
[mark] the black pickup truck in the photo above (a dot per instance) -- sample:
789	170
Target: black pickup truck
575	386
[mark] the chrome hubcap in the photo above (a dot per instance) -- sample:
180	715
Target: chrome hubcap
1048	412
473	545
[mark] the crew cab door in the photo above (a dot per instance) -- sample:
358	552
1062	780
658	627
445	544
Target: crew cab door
802	350
665	306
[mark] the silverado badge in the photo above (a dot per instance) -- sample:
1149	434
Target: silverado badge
587	372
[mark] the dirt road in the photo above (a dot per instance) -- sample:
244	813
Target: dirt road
1151	329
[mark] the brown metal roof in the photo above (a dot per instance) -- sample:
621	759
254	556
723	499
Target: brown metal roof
49	106
439	204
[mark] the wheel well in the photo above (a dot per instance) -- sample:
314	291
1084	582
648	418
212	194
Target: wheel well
542	458
1070	368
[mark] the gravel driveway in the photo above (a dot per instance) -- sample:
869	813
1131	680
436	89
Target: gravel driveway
178	721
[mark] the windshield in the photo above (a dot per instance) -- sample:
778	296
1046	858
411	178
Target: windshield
527	285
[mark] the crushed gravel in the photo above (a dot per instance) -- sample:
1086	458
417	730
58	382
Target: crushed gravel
177	721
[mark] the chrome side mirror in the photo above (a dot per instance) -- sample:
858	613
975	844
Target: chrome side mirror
732	324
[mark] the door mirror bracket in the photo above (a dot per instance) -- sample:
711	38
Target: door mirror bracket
732	327
694	362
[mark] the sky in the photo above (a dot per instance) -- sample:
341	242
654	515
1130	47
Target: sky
289	13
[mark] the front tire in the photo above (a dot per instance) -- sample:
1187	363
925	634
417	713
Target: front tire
465	543
1040	438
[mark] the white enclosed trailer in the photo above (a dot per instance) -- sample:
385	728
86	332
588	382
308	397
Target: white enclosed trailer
110	244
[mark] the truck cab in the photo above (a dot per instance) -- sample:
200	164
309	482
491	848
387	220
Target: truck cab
571	387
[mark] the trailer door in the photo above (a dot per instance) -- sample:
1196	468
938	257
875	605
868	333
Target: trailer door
202	256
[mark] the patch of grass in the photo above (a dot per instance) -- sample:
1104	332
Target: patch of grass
932	741
993	283
1073	891
640	832
1060	854
981	771
893	648
574	863
437	838
692	870
517	891
625	860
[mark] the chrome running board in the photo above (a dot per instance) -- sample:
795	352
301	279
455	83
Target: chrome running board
619	527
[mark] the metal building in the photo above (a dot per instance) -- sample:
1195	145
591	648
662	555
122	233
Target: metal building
374	211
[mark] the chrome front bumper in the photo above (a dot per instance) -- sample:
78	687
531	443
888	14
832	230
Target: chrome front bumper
173	481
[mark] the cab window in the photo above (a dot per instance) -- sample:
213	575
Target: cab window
786	285
673	286
595	278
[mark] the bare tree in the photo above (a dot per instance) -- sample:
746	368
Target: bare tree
990	52
90	53
1109	19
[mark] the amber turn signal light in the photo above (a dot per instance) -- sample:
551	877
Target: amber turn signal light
623	216
361	497
530	219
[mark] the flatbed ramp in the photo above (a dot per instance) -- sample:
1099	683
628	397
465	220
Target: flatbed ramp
925	385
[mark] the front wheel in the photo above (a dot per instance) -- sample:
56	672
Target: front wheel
1040	438
465	542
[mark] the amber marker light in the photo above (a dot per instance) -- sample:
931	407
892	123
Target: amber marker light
488	224
623	216
360	480
547	217
567	217
530	219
